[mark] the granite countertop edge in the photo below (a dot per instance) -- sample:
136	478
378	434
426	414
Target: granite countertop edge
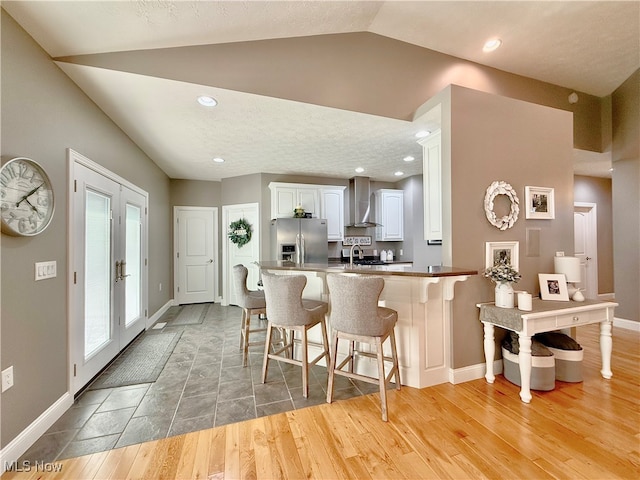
331	267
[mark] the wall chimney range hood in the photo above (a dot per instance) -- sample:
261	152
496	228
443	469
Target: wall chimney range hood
360	203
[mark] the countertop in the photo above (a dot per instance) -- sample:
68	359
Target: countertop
390	269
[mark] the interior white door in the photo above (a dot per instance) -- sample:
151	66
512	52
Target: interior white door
109	271
195	254
586	247
247	255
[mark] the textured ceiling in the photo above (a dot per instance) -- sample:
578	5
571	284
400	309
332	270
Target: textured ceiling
590	47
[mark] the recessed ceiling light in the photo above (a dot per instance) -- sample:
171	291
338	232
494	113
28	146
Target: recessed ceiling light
423	133
399	174
409	158
218	160
359	170
491	45
207	101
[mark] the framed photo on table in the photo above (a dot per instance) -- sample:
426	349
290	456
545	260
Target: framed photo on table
553	286
497	253
539	202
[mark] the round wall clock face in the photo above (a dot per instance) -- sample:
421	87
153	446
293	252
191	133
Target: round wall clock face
26	197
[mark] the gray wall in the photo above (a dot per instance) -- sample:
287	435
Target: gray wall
598	190
626	196
44	113
497	138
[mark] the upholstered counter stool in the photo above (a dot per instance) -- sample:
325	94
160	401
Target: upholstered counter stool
355	316
252	303
286	310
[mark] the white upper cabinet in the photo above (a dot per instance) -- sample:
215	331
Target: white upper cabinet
390	215
285	197
332	209
432	185
323	201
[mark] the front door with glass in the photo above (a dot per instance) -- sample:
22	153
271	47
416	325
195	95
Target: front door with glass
109	267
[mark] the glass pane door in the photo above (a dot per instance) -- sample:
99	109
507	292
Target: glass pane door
97	305
133	264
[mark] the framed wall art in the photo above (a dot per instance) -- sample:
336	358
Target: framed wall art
539	202
553	286
497	253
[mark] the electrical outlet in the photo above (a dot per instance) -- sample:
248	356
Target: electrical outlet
559	254
7	378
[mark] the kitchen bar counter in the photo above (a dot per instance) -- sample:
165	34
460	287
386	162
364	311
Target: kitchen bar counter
391	268
422	298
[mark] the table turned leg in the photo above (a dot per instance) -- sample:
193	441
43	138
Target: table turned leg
525	367
606	345
489	350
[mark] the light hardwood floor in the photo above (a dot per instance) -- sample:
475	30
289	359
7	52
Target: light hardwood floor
468	431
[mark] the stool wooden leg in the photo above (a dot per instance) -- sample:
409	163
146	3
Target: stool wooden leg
242	328
325	340
265	359
394	354
332	364
381	378
247	328
305	365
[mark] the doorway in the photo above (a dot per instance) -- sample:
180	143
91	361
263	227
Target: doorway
247	254
195	255
108	267
585	226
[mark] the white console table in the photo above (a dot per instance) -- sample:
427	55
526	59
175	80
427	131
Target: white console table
545	316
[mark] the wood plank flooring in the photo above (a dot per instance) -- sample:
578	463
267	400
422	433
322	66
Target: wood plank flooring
468	431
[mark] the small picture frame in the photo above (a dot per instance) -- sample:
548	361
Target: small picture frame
553	286
502	252
539	203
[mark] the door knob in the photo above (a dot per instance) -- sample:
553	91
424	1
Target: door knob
588	258
210	260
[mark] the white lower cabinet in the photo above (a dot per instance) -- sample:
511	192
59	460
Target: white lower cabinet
390	215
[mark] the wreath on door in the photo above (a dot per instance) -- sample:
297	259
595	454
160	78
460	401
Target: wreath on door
240	232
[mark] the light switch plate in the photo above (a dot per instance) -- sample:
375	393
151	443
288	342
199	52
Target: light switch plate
46	270
7	378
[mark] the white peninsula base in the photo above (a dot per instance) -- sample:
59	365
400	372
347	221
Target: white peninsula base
423	331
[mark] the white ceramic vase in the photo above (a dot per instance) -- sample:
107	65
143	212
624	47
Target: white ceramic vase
504	295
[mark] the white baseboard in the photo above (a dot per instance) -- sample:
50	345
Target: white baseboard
156	316
473	372
25	439
626	324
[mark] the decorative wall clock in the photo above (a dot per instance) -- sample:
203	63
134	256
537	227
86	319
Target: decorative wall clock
501	188
26	197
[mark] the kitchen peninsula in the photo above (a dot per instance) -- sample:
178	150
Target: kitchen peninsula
422	298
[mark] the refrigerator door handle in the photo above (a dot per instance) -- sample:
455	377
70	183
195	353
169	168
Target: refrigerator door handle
297	257
303	254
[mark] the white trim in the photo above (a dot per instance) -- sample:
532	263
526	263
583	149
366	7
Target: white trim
605	297
25	439
216	250
156	316
473	372
626	324
74	158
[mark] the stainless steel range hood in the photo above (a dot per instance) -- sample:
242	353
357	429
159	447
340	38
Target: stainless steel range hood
360	203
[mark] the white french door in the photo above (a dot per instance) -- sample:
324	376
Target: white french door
109	270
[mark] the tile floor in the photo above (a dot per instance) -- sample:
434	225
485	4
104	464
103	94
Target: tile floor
202	385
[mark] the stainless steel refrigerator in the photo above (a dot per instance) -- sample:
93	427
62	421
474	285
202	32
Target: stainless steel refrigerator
299	240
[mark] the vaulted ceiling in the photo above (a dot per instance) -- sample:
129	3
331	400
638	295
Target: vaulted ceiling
315	87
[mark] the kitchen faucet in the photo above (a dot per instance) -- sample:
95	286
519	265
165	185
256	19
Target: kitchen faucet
355	244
